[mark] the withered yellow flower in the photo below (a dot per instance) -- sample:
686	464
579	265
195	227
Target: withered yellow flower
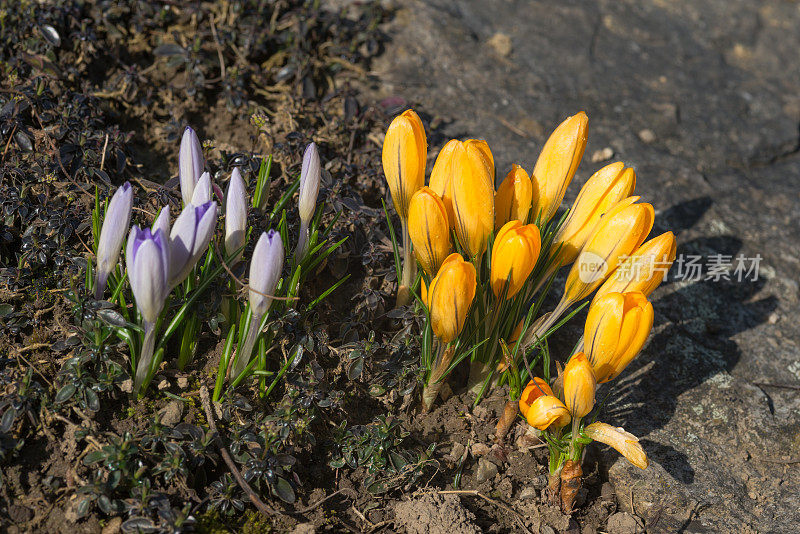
514	255
616	329
405	151
604	190
473	196
450	297
644	269
547	410
619	232
513	198
429	229
624	442
535	389
579	385
557	163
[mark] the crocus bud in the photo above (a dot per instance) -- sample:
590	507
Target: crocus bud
616	329
147	259
115	226
512	201
441	181
624	442
429	229
547	410
619	232
579	385
557	163
535	389
309	182
450	297
604	190
405	151
514	255
202	190
235	215
190	164
644	269
473	196
265	270
189	238
162	222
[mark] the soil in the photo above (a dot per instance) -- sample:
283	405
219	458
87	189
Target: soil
715	394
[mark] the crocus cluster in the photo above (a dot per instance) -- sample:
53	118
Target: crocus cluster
616	329
486	256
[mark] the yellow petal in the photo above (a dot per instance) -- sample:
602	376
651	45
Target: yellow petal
514	255
429	229
535	389
579	385
512	201
547	410
404	159
473	197
450	297
557	163
624	442
442	176
644	269
604	190
617	327
619	232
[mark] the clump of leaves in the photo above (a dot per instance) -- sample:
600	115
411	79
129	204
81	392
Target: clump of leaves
20	404
125	469
377	447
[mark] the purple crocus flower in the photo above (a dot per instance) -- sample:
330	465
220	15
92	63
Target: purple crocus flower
202	190
190	164
189	238
265	270
162	221
147	258
235	215
115	226
310	175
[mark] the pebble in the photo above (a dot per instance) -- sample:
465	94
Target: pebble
528	493
486	470
604	154
500	43
647	136
479	449
547	529
183	382
457	451
172	413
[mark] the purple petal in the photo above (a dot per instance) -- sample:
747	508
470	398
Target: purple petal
190	164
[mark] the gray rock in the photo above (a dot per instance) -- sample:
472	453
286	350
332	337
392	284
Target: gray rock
528	493
715	82
486	470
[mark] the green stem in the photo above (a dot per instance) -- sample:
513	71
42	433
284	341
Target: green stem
244	352
146	356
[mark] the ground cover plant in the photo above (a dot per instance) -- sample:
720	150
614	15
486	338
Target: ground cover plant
209	327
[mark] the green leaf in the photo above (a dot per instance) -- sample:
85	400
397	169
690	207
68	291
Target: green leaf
283	490
94	457
65	393
355	368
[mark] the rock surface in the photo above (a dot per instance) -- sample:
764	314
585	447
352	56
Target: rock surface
703	99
